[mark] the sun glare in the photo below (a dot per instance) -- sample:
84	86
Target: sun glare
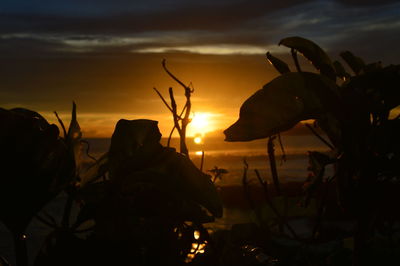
201	123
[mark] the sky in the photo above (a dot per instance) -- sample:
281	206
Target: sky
106	54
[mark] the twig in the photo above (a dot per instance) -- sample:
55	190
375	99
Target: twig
162	98
320	137
173	76
170	136
181	128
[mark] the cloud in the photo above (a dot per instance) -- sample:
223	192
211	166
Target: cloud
196	16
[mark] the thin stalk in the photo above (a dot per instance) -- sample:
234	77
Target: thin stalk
272	162
296	60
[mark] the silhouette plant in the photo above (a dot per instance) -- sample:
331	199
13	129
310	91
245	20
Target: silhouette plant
37	165
181	119
354	111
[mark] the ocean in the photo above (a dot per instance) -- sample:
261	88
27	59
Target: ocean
230	155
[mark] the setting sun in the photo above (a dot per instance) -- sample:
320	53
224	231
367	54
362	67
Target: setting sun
201	123
197	140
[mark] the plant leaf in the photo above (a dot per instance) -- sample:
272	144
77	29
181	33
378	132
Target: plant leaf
340	71
279	65
312	52
282	103
355	63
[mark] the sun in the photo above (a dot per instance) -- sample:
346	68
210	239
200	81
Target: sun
200	121
200	124
197	140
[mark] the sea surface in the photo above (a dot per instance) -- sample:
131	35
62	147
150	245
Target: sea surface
230	156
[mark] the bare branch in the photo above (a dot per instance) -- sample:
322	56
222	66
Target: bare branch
162	98
170	136
173	76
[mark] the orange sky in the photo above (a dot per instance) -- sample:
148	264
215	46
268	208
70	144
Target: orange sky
107	89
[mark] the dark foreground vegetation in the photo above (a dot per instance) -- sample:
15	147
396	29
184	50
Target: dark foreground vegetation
145	204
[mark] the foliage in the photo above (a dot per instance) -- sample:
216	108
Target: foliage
355	115
137	200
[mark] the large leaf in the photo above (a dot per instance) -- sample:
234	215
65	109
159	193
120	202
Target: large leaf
35	165
281	66
340	71
138	163
380	88
312	52
282	103
355	63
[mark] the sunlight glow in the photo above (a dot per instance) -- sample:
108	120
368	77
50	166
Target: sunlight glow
197	140
201	123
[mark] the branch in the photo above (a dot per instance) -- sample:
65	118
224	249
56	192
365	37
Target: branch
173	110
173	76
162	98
170	136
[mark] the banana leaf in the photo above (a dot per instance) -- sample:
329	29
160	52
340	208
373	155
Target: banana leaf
312	52
282	103
355	63
279	65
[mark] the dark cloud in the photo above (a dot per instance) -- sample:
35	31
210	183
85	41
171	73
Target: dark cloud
366	2
204	16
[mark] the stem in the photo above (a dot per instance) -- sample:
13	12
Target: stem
162	98
170	136
296	60
272	162
173	108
